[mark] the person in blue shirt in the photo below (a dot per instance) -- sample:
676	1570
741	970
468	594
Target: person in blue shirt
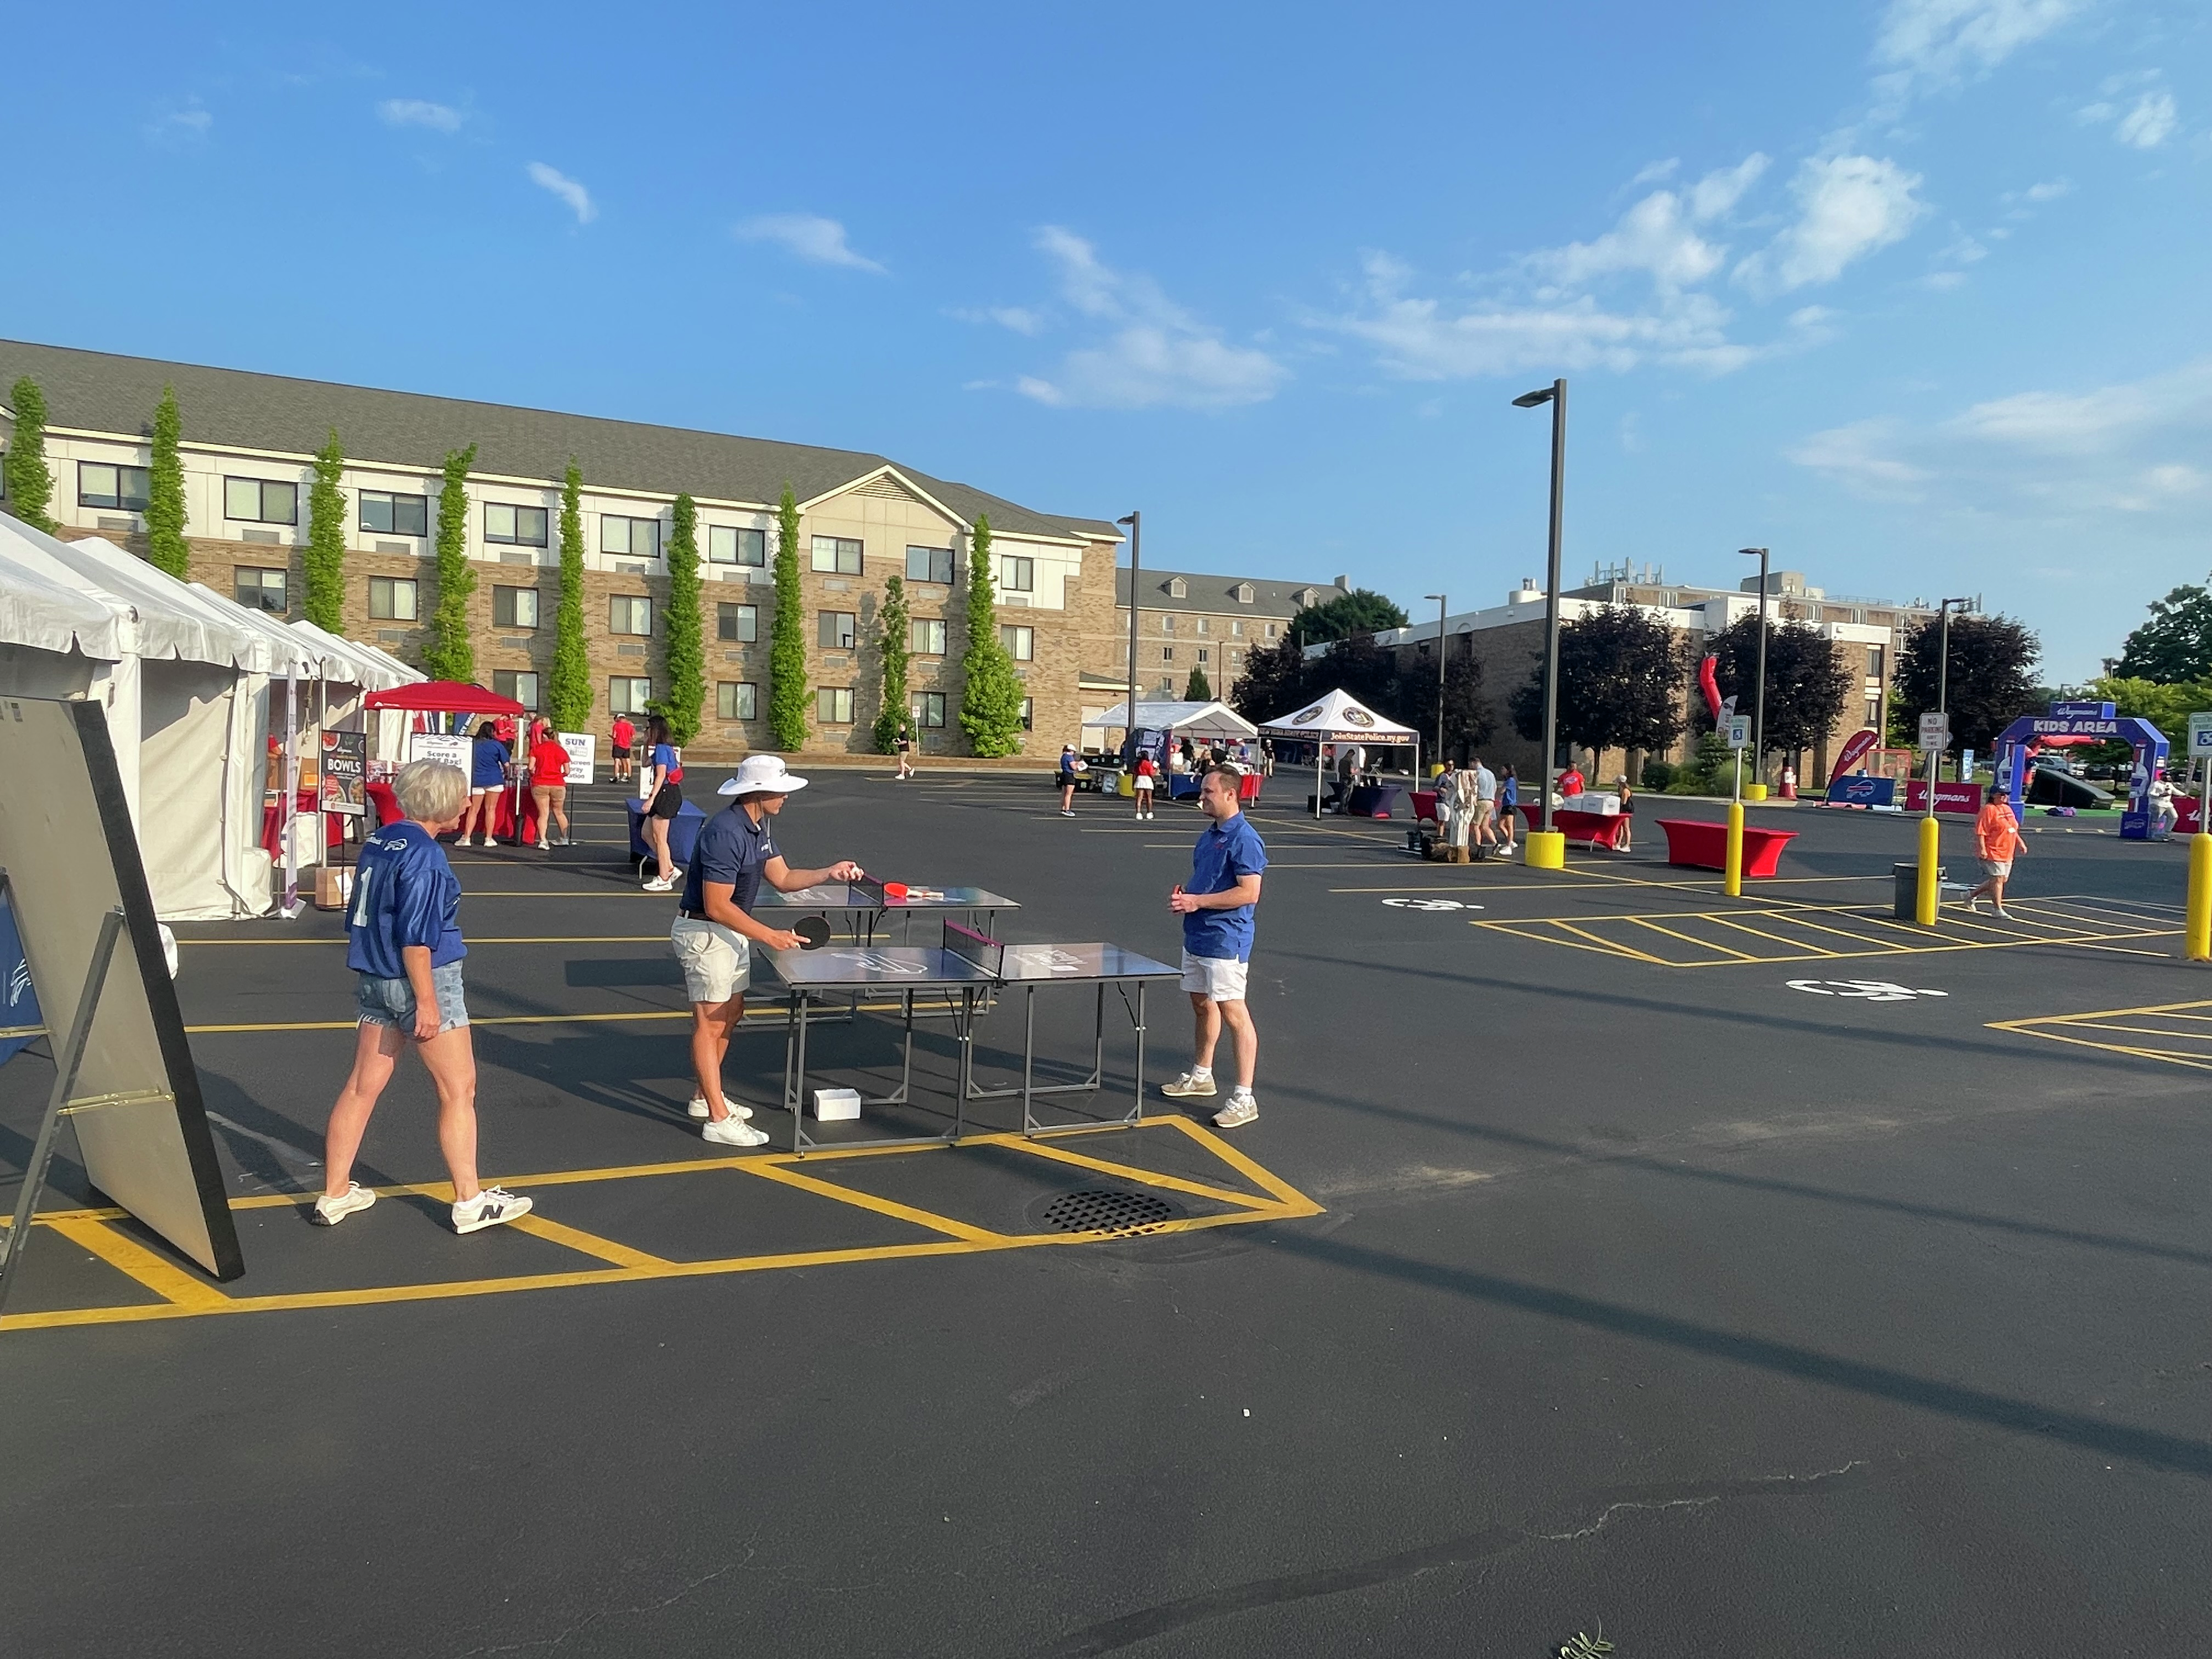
488	758
1217	909
714	933
404	939
660	785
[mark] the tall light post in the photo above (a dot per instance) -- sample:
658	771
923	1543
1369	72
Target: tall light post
1547	849
1136	521
1930	895
1759	685
1439	598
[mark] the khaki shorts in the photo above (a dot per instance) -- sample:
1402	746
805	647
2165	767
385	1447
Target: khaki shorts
717	961
1215	978
1996	869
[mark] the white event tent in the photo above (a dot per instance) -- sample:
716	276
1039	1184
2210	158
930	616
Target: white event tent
1340	717
1206	722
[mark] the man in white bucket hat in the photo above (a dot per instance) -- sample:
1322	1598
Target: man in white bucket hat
714	930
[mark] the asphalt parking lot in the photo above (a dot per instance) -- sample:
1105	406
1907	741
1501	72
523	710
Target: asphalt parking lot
1760	1276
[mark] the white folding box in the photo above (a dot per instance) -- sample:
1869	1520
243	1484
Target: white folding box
836	1105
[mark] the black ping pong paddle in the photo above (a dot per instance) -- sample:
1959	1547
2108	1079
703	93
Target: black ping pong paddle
813	932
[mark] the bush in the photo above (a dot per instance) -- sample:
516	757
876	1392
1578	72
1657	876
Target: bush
1657	774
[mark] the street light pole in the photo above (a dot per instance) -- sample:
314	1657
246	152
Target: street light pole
1759	685
1943	686
1556	395
1439	598
1136	521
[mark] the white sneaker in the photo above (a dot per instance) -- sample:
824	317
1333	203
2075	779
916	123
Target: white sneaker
1241	1109
491	841
698	1107
657	886
488	1208
329	1210
1191	1085
733	1132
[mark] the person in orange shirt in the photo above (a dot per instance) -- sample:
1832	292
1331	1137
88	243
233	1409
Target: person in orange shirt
1996	838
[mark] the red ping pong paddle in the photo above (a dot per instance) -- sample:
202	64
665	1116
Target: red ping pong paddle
894	889
813	932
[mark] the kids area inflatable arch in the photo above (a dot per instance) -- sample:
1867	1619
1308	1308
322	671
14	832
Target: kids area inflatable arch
2087	719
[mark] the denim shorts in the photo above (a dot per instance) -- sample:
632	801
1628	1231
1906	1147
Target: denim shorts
392	1001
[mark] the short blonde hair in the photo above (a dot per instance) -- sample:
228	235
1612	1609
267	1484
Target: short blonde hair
431	792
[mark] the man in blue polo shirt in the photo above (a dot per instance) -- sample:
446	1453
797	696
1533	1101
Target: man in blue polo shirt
1217	910
712	934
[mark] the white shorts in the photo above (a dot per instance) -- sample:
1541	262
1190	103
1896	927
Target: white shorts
1142	786
1215	978
717	961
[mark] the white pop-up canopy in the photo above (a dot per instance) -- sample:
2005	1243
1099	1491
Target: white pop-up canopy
1340	717
1210	721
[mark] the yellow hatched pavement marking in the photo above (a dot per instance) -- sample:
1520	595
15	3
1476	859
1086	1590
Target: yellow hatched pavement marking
898	1212
1293	1202
1045	1149
1696	943
1598	941
584	1243
156	1272
2061	1028
1801	948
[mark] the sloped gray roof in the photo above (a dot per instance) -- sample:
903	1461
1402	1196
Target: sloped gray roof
99	392
1215	594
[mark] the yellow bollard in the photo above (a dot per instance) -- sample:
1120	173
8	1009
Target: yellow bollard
1732	869
1755	791
1544	849
2198	932
1930	884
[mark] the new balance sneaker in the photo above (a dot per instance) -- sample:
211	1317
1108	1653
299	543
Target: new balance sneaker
488	1208
733	1132
698	1107
1241	1109
329	1210
1191	1085
656	885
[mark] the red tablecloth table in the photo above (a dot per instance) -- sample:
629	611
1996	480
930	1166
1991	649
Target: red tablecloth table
272	825
1701	844
1597	829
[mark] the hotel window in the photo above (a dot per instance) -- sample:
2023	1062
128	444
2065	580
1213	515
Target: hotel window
1874	712
514	527
1177	588
258	590
99	485
837	555
629	538
1271	630
737	700
386	514
629	613
729	544
927	708
1167	624
260	501
1029	713
1020	642
839	628
391	598
1236	627
926	636
929	564
1167	653
1017	574
519	684
514	607
1243	592
1874	661
1204	625
737	625
833	705
1235	657
1205	656
627	695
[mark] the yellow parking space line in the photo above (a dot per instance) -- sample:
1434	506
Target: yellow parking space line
1294	1202
2132	1030
1698	943
584	1243
1045	1149
898	1212
171	1283
1879	945
1602	949
1614	945
1803	947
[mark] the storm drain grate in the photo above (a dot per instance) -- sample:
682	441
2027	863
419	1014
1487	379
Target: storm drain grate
1099	1211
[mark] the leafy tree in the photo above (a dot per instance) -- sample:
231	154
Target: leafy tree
30	485
1360	611
452	655
568	688
1807	681
1413	702
1273	682
2175	645
1991	682
2167	706
1197	689
991	692
682	651
1620	683
891	620
787	657
323	562
165	491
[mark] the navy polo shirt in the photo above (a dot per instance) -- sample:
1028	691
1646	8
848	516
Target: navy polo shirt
404	893
730	847
1225	854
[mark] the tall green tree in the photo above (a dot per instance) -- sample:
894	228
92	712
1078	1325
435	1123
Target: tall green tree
165	490
787	655
891	620
451	655
991	692
1621	677
568	688
1197	688
30	484
2175	645
1990	681
325	559
1273	682
1362	610
1807	681
685	655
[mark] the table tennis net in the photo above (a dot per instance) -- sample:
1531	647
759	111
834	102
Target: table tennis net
979	948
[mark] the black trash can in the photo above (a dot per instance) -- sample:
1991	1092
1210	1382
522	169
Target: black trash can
1905	905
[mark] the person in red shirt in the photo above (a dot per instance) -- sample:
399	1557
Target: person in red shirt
1571	781
548	784
623	734
1141	782
1996	838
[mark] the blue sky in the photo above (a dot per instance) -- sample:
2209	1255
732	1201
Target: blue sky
1913	291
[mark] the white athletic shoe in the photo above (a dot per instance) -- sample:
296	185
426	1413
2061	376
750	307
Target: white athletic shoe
1191	1085
1241	1109
655	884
698	1107
329	1210
488	1208
733	1132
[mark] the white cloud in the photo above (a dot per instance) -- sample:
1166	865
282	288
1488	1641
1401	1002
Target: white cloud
1857	456
2097	422
1944	39
1654	172
180	123
419	112
1155	354
807	236
1848	206
578	199
1944	281
2150	123
1657	235
1020	319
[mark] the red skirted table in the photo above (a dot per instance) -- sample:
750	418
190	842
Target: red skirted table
272	825
1701	844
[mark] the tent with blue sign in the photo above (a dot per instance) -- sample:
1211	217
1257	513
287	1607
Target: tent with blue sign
2100	722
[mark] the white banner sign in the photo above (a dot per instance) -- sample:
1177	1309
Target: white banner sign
439	746
1935	732
582	747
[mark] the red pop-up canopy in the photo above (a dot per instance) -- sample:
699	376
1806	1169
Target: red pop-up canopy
443	697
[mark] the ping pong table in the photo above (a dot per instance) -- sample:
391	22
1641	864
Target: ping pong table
969	966
867	904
